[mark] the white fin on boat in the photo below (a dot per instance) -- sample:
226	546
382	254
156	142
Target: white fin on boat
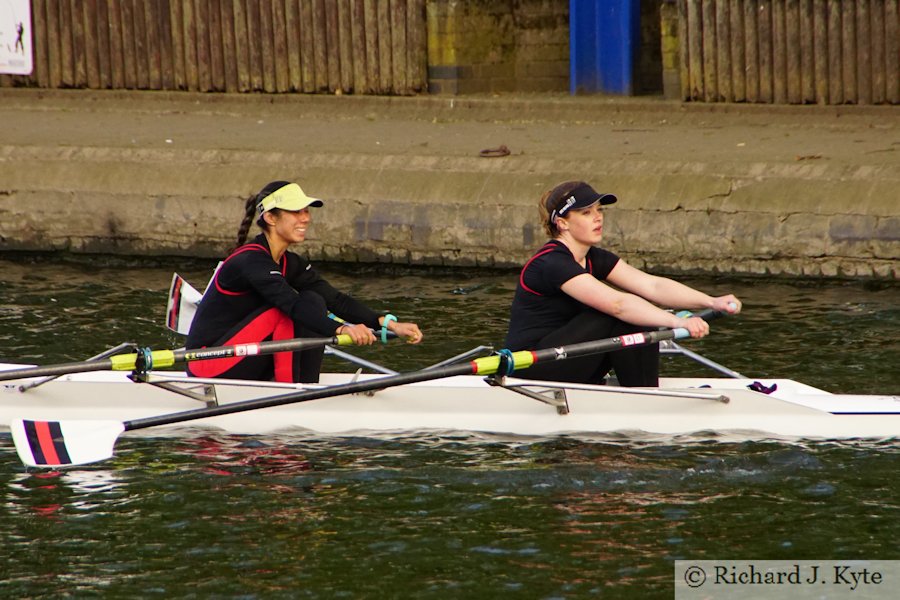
183	300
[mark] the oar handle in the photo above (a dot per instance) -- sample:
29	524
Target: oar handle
707	314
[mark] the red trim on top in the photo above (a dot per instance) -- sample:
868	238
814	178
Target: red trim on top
241	250
544	250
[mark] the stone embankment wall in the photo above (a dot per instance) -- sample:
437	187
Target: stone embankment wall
809	192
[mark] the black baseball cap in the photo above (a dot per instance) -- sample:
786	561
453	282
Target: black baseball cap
581	196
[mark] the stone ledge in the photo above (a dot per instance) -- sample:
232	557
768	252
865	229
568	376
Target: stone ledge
454	212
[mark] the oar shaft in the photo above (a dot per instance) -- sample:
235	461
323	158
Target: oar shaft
481	366
167	358
292	345
56	370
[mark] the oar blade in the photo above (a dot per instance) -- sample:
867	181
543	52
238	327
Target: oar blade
53	444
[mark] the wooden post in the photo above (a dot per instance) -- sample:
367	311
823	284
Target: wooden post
385	45
66	62
254	46
41	47
292	31
129	45
373	63
345	43
835	53
104	59
863	53
738	58
793	52
892	50
684	51
152	40
695	54
723	50
708	27
176	20
216	64
307	46
807	53
266	40
189	35
116	49
361	84
820	51
764	27
79	44
848	44
877	26
751	50
399	83
417	59
229	47
166	45
242	61
141	47
779	52
280	55
92	48
332	46
319	45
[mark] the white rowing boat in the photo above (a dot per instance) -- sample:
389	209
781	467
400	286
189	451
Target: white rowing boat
465	403
73	413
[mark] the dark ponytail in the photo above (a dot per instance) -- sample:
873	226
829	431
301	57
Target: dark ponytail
244	229
250	212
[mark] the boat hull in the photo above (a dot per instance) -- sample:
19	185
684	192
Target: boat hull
680	406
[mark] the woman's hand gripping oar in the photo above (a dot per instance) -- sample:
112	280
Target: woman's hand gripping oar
63	443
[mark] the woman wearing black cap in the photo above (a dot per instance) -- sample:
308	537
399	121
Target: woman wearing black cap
565	295
262	292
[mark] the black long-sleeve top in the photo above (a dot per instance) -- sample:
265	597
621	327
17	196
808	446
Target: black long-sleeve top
250	279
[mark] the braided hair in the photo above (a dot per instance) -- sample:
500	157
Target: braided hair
250	205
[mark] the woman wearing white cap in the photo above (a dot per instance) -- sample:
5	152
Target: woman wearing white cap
264	292
565	295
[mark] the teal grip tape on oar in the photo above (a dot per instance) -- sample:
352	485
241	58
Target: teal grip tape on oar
384	326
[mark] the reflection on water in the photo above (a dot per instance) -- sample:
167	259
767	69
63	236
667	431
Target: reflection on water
437	515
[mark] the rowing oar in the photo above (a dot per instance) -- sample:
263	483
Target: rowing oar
159	359
64	443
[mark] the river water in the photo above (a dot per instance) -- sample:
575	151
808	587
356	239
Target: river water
442	514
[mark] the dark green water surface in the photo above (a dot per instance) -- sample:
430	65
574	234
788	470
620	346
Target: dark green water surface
442	514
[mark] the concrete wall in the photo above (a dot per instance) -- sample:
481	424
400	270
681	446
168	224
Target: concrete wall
724	191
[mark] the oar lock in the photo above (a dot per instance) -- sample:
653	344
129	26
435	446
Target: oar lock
143	362
507	364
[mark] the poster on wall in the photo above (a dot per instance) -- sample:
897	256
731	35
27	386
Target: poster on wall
15	37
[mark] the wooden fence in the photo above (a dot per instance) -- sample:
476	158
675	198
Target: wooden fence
790	51
358	46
